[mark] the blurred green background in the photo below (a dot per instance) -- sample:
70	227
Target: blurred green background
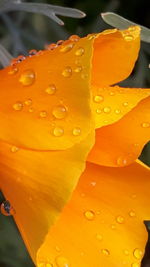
21	31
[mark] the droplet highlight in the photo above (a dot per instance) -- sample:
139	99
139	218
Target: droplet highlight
18	106
89	215
59	112
137	253
76	131
62	262
79	51
58	131
67	72
27	77
120	219
51	89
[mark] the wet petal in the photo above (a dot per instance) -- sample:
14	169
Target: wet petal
38	185
110	104
45	99
103	223
121	143
115	53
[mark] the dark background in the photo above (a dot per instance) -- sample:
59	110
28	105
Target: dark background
21	31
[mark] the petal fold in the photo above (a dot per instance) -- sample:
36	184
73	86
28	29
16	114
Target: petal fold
121	143
103	223
38	185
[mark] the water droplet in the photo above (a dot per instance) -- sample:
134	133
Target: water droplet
79	51
98	98
78	69
84	75
66	48
113	226
105	252
60	42
44	264
18	106
98	111
117	111
112	93
120	219
14	149
132	213
89	215
6	208
67	72
59	112
129	37
91	36
28	102
62	261
125	104
99	237
32	52
145	124
107	109
126	252
58	131
135	264
76	131
27	77
43	114
74	38
51	89
138	253
31	110
13	70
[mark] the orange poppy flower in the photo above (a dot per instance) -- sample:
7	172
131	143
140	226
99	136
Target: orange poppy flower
51	103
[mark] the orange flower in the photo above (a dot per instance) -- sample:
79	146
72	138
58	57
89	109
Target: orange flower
51	104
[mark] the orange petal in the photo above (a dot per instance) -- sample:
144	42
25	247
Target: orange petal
115	53
103	223
45	99
121	143
38	185
111	103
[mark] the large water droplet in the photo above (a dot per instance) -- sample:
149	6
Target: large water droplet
27	77
6	208
59	112
51	89
98	98
89	215
79	51
120	219
67	72
58	131
18	106
138	253
76	131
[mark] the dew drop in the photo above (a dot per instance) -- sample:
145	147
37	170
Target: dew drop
125	104
112	93
98	111
132	213
27	77
58	131
32	52
51	89
28	102
145	124
78	69
113	226
120	219
76	131
66	48
43	114
13	70
89	215
74	38
105	252
18	106
44	264
59	112
31	110
6	208
14	149
60	42
138	253
129	37
67	72
98	98
117	111
79	51
62	262
107	109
